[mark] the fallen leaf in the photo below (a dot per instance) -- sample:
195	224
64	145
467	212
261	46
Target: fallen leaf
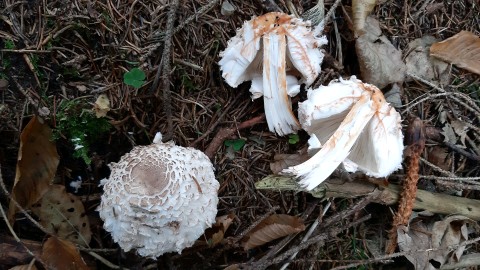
63	215
360	11
215	235
59	254
271	228
36	165
438	157
419	62
380	62
283	161
436	237
101	106
24	267
460	129
462	50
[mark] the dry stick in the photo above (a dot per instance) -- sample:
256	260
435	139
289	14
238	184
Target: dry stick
308	234
167	102
225	133
416	144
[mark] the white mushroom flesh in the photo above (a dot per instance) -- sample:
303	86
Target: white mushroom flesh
159	198
272	51
355	125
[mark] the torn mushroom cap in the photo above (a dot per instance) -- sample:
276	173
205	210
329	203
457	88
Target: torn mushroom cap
271	51
159	198
355	125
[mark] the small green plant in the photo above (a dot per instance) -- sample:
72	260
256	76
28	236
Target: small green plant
80	126
236	145
9	44
293	138
135	77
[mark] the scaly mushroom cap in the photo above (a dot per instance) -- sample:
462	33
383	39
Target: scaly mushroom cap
159	198
351	123
273	51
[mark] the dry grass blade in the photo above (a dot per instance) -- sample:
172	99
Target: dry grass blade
463	50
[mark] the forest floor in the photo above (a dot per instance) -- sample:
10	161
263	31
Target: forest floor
58	57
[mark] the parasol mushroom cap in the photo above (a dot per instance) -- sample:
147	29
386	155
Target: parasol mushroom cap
352	123
159	198
277	52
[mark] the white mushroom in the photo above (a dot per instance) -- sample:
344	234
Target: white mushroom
272	50
355	125
159	198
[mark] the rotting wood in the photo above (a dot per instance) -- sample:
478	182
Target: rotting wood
434	202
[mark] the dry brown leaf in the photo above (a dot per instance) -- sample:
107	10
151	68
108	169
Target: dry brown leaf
435	237
360	10
283	161
438	157
24	267
63	215
462	50
59	254
380	62
36	166
214	235
420	63
271	228
101	106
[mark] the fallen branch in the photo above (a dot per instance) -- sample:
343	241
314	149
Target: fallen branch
389	195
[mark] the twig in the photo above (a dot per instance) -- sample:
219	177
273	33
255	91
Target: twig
227	132
308	234
167	102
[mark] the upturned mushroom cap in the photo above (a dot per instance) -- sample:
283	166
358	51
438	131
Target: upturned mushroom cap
159	198
273	51
351	123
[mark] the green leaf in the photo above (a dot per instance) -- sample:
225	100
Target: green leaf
135	77
235	144
293	138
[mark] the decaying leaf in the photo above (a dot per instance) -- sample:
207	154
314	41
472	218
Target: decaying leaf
101	106
420	63
63	215
462	50
434	238
283	161
36	166
271	228
438	157
214	235
59	254
360	10
380	62
24	267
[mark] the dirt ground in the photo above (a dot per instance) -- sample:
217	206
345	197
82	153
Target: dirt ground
57	57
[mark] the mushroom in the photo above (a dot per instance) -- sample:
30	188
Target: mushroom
272	50
352	123
159	198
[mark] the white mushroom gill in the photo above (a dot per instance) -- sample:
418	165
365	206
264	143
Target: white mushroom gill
273	51
353	124
159	198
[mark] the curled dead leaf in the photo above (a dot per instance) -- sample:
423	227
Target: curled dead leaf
380	62
462	50
62	255
271	228
101	106
36	166
283	161
63	215
215	235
